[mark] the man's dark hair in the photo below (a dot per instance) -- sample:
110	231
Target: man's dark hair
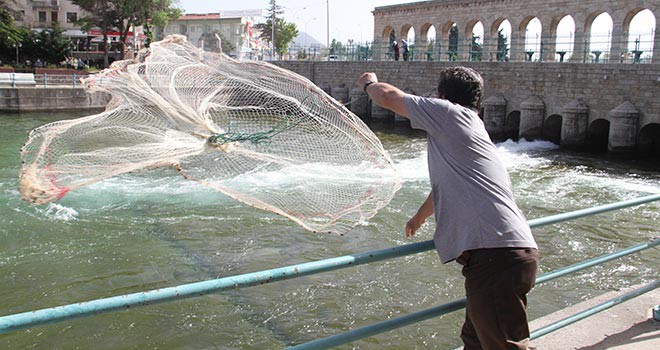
461	85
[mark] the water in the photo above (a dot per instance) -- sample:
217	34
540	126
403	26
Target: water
141	232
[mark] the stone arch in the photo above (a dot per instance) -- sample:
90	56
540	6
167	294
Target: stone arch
451	48
428	41
512	126
599	43
500	52
552	128
531	43
388	32
598	135
473	53
405	30
637	53
564	37
648	140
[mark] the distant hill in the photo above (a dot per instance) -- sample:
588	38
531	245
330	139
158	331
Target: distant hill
304	39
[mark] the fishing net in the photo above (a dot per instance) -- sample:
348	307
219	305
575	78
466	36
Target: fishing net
260	134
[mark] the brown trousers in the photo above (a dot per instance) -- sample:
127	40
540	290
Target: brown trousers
496	284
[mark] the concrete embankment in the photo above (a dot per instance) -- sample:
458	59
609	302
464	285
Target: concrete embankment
56	98
626	326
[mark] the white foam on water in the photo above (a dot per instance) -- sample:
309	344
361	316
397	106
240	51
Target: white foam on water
514	154
58	212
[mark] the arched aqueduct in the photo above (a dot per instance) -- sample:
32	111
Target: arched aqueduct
612	104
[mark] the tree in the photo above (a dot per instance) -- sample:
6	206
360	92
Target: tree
502	46
124	14
284	32
48	45
135	13
453	42
476	49
101	14
9	34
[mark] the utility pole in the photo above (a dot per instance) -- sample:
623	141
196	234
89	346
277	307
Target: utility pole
272	36
327	21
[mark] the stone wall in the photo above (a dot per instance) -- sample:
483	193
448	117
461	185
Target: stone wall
32	99
602	88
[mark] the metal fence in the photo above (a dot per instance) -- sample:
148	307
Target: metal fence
35	318
596	49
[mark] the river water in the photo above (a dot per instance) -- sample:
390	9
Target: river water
141	232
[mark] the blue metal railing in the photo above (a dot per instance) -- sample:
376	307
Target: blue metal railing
29	319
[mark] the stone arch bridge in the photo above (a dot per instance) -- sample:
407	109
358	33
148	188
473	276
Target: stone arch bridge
612	105
396	21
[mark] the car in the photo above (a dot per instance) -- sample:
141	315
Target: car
332	58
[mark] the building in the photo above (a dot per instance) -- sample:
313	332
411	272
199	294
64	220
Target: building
87	45
205	31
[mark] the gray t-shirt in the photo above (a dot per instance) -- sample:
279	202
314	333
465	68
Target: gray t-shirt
474	205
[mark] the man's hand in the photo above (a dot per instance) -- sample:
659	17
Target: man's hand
366	77
425	210
413	225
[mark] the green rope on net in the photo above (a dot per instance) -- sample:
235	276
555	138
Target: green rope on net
261	137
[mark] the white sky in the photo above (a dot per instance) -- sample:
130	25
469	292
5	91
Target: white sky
349	19
352	19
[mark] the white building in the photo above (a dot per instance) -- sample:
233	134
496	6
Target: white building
237	27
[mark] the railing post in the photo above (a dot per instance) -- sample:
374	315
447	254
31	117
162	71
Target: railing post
74	79
13	80
45	79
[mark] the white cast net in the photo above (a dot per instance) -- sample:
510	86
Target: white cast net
242	128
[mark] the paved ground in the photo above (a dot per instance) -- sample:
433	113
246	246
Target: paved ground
626	326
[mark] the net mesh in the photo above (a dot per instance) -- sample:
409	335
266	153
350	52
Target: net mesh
260	134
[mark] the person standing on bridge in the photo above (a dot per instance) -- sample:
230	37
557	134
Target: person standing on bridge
478	224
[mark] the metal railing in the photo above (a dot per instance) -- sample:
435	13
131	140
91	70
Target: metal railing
636	49
30	319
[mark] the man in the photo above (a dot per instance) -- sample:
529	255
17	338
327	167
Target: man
477	221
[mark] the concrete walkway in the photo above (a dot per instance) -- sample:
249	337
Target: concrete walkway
627	326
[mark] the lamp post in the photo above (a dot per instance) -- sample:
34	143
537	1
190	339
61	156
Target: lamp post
17	45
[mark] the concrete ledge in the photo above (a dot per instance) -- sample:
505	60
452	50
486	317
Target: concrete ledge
629	325
60	98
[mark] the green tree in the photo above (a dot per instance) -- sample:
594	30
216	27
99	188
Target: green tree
502	46
122	15
48	45
284	32
142	13
476	49
9	34
453	42
101	14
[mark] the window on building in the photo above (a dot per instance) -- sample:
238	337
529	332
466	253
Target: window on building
183	29
71	17
42	16
54	17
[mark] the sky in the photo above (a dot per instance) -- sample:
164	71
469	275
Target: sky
349	19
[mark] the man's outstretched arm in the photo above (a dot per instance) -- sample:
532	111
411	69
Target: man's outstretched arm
383	94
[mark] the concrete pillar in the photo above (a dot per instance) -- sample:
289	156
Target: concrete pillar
359	102
579	46
574	124
624	121
656	40
531	118
619	43
548	43
495	116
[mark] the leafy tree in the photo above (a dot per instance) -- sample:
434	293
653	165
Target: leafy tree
123	14
101	14
453	41
337	48
140	13
302	54
476	49
502	46
48	45
9	34
284	32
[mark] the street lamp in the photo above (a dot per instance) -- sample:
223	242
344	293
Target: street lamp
17	45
